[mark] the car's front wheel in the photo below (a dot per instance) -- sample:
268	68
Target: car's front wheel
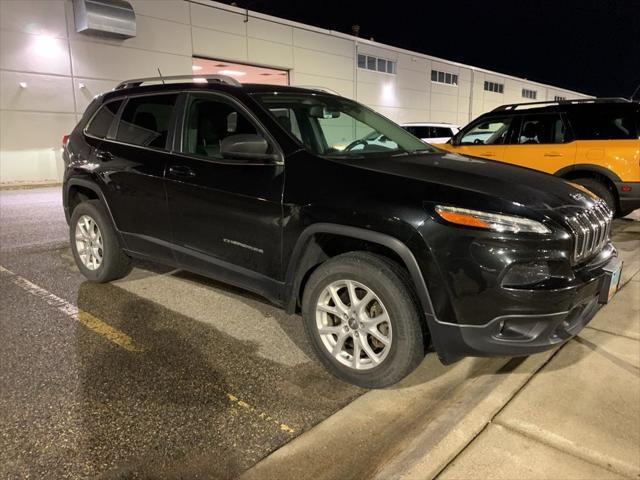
363	319
95	245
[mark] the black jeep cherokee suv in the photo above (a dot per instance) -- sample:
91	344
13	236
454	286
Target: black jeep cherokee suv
384	246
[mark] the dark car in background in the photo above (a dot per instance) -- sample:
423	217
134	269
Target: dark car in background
384	248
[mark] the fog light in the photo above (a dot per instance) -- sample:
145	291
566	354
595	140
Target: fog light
526	274
520	329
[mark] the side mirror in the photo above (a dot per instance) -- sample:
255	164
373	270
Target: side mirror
455	140
246	147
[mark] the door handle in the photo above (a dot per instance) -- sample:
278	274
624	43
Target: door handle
103	156
181	171
552	154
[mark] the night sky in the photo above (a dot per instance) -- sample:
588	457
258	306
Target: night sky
592	46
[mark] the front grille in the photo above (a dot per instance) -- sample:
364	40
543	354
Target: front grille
591	229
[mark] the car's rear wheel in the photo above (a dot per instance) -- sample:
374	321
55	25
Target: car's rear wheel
363	320
601	190
95	245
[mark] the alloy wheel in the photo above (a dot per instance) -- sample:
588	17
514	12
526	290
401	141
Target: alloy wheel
89	242
353	324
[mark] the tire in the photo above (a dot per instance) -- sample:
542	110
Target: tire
601	190
391	292
110	262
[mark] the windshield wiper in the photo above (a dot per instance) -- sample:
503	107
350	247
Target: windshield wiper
413	152
422	150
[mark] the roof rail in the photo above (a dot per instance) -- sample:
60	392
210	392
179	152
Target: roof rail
136	82
514	106
318	89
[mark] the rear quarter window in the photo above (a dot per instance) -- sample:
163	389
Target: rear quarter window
605	124
145	120
101	122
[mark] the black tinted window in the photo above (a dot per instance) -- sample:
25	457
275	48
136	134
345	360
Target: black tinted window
101	122
209	122
440	132
605	124
547	128
145	120
420	132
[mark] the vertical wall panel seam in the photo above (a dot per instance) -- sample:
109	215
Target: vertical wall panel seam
73	80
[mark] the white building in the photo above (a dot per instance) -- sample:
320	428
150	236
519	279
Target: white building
49	72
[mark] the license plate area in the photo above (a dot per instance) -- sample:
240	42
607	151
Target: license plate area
609	287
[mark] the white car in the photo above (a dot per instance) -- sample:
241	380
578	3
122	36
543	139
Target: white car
432	132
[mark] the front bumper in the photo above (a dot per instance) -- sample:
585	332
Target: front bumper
629	195
525	334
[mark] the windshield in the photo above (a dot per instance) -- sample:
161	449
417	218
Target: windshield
336	127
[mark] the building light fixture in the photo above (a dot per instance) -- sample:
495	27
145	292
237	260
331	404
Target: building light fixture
232	73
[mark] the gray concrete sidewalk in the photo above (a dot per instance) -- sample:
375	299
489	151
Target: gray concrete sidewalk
579	417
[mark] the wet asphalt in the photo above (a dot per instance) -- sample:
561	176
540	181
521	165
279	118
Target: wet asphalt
220	379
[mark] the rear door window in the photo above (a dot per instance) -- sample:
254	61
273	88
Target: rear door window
145	120
101	122
438	132
542	129
605	124
420	132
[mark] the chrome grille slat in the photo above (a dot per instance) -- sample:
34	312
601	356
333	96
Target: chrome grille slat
591	229
603	226
586	231
595	224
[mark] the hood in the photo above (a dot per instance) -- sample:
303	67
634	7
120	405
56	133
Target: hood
519	186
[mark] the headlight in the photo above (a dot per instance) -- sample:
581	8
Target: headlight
490	221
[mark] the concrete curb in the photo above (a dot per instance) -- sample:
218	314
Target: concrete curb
418	427
461	421
25	186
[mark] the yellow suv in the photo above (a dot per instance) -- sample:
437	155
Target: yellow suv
595	143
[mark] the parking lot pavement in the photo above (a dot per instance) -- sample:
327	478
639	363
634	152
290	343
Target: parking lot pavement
163	374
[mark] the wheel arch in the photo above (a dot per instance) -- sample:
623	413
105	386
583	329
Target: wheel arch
81	186
596	172
578	169
308	254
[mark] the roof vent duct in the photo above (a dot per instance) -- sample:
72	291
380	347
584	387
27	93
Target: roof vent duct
113	18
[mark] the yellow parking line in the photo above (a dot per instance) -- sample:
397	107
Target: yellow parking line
236	401
92	323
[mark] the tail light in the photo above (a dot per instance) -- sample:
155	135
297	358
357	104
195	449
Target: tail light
65	141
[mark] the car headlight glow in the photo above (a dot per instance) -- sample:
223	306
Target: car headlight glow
496	222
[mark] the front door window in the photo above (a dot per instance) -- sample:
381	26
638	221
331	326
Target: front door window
493	131
208	122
